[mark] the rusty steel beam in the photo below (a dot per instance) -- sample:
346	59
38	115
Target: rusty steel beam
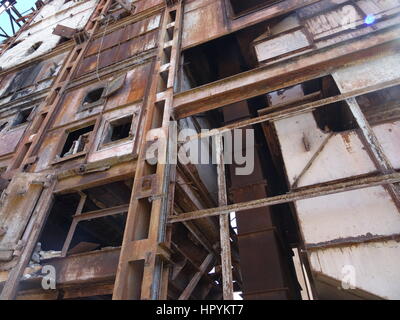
307	193
283	74
349	241
279	113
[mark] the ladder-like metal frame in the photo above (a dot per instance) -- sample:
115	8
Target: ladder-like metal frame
144	261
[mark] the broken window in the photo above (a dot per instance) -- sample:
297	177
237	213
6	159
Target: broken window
22	117
118	129
23	79
77	141
240	7
89	220
93	98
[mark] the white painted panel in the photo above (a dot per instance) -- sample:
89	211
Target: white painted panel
343	156
348	214
369	73
376	266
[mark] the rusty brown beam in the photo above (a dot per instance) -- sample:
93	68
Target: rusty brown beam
279	113
306	193
283	74
224	223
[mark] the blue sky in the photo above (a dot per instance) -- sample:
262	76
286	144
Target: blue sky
22	6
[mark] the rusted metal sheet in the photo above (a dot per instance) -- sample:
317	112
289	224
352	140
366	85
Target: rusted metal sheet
118	53
95	265
207	13
266	79
9	140
64	31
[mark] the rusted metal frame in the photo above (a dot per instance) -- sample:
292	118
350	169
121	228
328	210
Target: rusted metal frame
236	23
197	277
154	273
81	203
79	216
224	222
71	230
275	114
102	213
283	74
39	217
311	161
306	193
374	148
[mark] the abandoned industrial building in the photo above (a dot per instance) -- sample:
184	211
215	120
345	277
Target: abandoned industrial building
293	107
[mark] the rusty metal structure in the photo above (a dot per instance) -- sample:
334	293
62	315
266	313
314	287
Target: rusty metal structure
89	88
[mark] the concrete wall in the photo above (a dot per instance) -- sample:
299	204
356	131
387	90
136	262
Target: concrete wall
71	14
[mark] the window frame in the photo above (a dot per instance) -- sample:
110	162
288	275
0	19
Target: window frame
106	127
57	157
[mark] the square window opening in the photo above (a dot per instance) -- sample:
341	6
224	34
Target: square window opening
22	117
118	130
77	141
93	98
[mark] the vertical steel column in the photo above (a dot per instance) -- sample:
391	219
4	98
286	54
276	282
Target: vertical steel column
143	267
226	259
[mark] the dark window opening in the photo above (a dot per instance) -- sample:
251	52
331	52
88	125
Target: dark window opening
3	125
91	233
93	98
244	6
335	117
98	233
76	141
34	47
22	117
220	58
119	129
62	40
59	221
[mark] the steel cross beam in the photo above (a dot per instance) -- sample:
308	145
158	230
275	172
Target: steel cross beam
283	74
306	193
